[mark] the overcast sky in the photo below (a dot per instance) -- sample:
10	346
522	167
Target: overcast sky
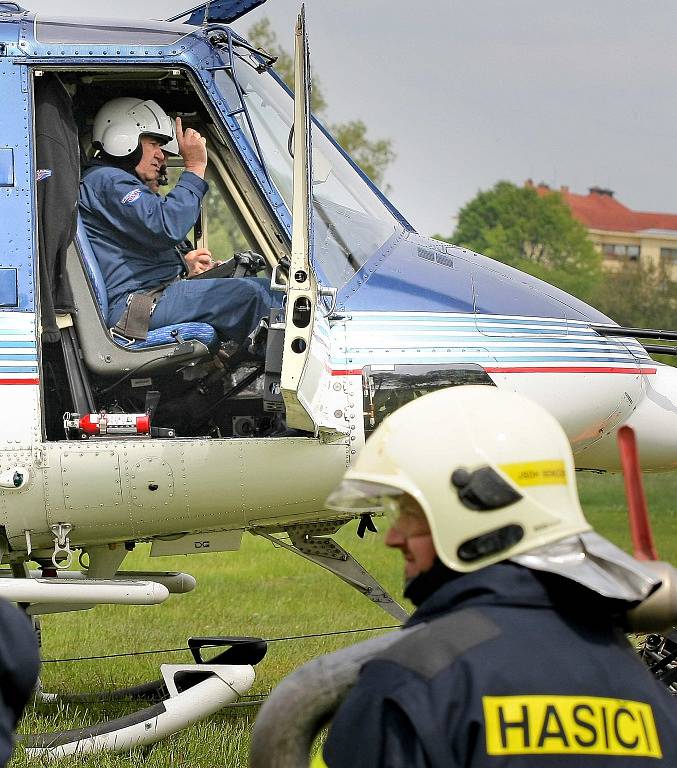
578	93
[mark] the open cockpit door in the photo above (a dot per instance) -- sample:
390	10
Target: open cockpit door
306	371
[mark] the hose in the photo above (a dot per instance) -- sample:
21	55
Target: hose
304	701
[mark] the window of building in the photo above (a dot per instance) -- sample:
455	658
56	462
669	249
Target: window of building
621	251
669	254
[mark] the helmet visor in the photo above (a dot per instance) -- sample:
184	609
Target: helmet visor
363	497
169	145
152	120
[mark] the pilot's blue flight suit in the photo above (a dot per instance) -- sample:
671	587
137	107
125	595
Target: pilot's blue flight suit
510	669
134	233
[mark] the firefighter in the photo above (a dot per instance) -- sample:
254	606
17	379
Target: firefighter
19	668
516	656
134	232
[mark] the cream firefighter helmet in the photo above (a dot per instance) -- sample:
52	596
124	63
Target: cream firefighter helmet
120	123
492	471
494	475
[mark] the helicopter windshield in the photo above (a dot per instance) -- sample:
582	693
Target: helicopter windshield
350	221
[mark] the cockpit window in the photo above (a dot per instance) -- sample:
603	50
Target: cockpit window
351	222
58	29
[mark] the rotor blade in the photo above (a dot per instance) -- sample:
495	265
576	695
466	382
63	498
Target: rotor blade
224	11
640	333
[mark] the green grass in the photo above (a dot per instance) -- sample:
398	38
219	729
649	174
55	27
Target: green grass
603	501
261	591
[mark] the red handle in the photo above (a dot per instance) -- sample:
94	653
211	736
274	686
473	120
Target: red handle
638	512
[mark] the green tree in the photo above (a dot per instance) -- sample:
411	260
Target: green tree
374	156
639	296
224	234
536	234
262	36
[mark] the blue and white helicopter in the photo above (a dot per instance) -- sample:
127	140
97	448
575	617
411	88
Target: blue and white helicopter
106	442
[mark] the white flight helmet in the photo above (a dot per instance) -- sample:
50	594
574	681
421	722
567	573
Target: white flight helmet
120	123
494	475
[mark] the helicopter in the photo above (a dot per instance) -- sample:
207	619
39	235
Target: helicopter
184	444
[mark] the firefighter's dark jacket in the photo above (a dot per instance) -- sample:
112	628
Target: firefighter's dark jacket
19	667
508	668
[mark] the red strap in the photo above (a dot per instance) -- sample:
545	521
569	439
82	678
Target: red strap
638	512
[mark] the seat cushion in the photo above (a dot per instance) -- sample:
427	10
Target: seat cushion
187	331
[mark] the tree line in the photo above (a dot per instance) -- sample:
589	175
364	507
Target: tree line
538	235
372	155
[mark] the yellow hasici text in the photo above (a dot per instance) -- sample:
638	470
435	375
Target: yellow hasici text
560	725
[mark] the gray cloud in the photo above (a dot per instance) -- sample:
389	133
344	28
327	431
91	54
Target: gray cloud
577	93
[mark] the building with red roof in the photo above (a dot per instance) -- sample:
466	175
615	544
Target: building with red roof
620	233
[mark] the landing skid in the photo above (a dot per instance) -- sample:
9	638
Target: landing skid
185	694
312	541
188	693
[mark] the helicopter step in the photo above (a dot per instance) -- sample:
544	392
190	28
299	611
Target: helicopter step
176	582
312	541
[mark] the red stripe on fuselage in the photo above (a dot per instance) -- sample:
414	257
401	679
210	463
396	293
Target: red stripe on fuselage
525	369
577	369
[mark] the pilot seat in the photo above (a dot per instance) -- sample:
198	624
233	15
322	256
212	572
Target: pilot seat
107	353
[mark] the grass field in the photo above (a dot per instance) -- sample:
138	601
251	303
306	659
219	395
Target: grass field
259	591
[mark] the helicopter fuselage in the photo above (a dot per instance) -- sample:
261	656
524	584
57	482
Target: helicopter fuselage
394	315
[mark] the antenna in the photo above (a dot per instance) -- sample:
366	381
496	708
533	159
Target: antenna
205	21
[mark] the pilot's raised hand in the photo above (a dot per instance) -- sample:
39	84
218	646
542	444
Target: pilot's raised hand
192	148
198	261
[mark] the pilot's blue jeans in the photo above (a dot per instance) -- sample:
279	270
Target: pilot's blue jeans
232	306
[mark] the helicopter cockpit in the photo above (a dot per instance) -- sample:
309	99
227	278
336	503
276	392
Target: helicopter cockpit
184	376
189	383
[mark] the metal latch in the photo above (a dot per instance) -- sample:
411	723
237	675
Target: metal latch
62	556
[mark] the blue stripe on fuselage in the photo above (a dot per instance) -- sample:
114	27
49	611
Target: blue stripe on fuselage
398	279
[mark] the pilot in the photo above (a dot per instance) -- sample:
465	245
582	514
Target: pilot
520	659
134	232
